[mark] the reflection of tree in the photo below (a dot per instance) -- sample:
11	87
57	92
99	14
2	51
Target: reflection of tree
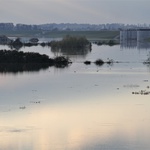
135	44
17	44
71	51
21	67
71	45
16	47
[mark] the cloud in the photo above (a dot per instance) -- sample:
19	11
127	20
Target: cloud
77	11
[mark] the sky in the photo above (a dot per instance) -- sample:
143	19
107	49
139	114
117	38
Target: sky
75	11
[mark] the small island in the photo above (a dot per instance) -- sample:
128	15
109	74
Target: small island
19	57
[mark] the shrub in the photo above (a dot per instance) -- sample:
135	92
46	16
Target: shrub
71	42
14	56
87	62
99	62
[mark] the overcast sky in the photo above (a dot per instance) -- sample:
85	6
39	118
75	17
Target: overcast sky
75	11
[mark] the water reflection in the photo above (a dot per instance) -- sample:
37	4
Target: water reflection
16	68
71	52
143	45
20	67
130	44
83	125
79	108
15	46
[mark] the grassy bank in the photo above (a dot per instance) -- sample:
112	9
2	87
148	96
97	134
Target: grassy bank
90	35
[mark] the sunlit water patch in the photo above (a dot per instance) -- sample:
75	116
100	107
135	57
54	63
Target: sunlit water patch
80	107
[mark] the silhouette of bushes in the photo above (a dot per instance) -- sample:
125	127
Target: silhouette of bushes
68	42
99	62
147	61
106	42
21	57
61	62
7	56
87	62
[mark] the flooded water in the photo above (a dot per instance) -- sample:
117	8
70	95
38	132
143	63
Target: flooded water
82	107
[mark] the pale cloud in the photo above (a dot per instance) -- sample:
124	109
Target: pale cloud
74	11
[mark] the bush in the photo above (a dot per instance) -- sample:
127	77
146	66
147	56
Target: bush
87	62
7	56
99	62
71	42
61	62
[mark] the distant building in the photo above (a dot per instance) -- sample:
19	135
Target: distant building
132	38
129	34
135	34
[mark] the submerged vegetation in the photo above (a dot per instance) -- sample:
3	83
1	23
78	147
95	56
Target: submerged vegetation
87	62
147	62
61	62
17	44
99	62
107	42
71	42
68	42
69	45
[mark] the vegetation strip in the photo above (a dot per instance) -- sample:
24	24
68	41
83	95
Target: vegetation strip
71	42
7	56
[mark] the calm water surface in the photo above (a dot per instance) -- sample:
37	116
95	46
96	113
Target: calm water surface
80	107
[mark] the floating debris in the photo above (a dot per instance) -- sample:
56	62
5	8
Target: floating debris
34	90
35	102
131	86
142	92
